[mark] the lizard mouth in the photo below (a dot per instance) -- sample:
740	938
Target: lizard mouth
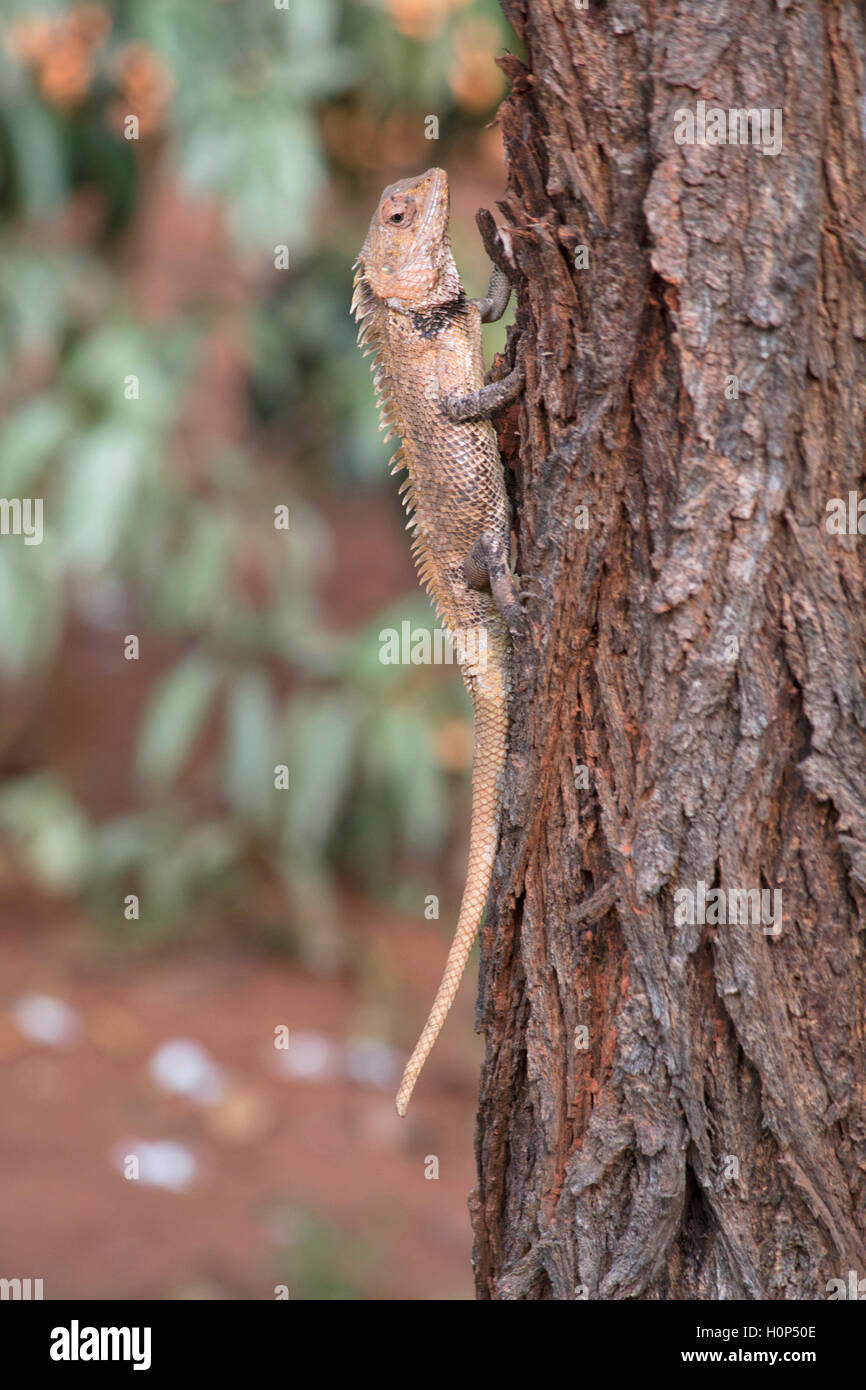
437	192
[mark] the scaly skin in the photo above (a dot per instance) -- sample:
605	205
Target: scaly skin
426	336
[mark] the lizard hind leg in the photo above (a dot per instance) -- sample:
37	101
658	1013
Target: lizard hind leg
486	567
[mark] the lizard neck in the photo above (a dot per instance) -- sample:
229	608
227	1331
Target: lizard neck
431	322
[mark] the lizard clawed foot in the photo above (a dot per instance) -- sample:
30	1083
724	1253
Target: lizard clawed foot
524	595
455	409
515	617
515	614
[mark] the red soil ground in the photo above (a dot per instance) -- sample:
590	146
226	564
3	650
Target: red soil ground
313	1184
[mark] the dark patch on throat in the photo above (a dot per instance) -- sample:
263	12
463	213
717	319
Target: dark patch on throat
431	322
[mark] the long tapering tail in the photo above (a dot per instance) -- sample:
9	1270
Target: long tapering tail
490	699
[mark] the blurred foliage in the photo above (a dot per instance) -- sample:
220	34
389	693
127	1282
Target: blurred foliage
159	524
319	1262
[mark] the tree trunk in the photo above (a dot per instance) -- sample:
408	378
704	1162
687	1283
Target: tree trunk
673	1108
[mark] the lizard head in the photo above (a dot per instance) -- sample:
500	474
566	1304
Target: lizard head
407	258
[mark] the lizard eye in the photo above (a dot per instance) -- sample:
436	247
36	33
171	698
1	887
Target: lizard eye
398	211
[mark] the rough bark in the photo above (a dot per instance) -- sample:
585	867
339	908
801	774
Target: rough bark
700	649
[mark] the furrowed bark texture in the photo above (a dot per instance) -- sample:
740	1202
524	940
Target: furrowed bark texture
698	648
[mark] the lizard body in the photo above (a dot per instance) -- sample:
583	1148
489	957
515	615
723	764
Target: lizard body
429	375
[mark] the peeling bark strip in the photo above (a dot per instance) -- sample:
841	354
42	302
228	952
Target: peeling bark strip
673	1106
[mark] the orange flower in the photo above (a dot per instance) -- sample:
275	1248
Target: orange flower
146	86
28	41
474	78
66	75
422	19
60	50
89	23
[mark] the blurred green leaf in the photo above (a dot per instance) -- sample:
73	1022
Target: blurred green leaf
249	745
320	734
29	438
103	473
49	829
119	845
189	581
38	161
103	367
174	717
30	606
399	751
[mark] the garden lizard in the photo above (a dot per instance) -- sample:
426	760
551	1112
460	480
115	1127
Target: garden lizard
414	316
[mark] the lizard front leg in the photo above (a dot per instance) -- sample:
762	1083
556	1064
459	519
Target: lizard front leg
494	305
480	404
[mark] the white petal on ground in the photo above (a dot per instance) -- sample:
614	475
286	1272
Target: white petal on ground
161	1163
371	1062
43	1019
183	1067
309	1057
